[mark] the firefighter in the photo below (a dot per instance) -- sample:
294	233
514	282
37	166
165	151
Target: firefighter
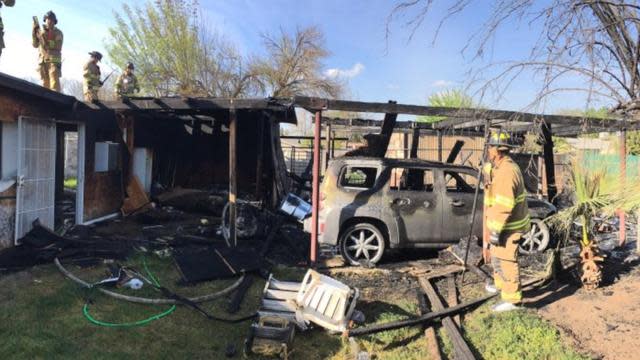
507	219
92	82
127	82
6	3
49	41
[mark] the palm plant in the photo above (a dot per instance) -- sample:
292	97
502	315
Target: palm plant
596	191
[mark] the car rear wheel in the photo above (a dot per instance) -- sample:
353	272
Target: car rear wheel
362	244
537	239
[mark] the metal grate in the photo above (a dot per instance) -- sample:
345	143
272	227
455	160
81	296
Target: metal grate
36	174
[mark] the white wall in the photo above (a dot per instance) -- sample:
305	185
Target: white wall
9	143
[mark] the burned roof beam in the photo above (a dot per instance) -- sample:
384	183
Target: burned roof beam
463	114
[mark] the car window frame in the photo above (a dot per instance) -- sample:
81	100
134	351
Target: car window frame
470	172
343	170
434	171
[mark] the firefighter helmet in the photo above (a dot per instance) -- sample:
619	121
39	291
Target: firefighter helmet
50	15
502	140
96	54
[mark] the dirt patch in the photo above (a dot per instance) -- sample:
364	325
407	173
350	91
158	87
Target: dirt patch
604	322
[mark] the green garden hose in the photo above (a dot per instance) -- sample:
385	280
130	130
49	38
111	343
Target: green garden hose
156	283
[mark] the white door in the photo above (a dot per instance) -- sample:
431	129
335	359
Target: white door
36	174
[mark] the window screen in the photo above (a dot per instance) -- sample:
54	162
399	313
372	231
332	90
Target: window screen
410	179
359	177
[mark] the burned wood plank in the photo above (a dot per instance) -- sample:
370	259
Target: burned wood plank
549	166
233	180
259	161
415	143
429	331
452	295
460	347
462	115
386	131
453	154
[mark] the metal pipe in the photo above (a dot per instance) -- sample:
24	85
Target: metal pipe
475	197
315	186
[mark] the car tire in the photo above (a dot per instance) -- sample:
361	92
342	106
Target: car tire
537	239
362	244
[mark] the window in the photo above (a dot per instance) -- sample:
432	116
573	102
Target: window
359	177
411	179
460	182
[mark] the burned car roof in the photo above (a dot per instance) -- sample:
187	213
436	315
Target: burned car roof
399	162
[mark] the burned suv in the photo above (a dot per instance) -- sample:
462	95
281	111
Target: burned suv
368	205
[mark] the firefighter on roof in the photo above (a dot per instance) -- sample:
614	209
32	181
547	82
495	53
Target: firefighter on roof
92	82
127	82
49	42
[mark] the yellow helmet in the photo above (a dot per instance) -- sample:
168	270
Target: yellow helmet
502	140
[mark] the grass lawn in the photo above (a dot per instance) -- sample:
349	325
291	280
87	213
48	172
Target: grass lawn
41	317
71	183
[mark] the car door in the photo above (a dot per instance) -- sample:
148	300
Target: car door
416	204
458	195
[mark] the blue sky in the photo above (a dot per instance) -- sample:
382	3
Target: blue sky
407	72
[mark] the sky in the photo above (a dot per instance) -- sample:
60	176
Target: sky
375	69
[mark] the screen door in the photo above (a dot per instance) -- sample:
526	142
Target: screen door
36	174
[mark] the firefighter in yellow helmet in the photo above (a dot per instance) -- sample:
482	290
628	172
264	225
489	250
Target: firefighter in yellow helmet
6	3
91	75
49	41
127	82
507	219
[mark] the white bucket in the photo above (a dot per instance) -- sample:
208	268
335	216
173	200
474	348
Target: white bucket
296	207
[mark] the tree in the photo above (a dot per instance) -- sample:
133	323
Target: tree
595	40
453	98
175	53
293	65
73	87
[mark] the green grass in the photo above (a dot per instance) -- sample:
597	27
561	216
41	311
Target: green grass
41	317
517	335
71	183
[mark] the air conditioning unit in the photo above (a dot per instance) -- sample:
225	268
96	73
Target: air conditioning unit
106	158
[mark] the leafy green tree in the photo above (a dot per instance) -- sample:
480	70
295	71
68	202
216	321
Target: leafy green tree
453	98
175	53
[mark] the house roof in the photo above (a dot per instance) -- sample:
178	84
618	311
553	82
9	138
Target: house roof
29	88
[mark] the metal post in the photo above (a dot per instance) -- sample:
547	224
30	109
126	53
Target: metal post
233	181
327	145
622	232
440	145
315	186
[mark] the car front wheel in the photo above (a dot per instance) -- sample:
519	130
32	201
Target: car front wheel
362	244
537	239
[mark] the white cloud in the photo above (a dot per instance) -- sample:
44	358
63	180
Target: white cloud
354	71
442	83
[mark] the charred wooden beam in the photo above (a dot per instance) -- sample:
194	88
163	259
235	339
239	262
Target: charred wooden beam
549	165
429	331
415	143
460	346
453	154
388	125
233	180
462	114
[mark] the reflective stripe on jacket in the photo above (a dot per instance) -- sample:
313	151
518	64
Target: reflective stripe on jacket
50	45
506	199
